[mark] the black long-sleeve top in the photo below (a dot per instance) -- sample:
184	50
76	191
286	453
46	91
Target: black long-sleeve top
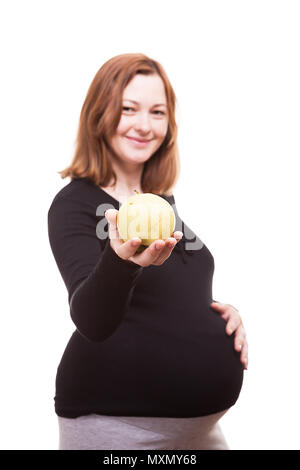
147	342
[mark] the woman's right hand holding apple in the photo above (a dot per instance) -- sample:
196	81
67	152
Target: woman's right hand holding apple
127	250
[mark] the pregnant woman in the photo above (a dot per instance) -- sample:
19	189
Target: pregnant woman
151	363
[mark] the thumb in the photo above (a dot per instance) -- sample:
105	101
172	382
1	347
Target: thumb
111	216
217	305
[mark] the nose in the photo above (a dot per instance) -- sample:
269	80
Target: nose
142	123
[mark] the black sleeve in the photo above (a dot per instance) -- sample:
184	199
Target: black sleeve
99	282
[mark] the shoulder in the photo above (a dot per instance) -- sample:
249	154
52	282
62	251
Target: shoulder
79	189
82	194
170	199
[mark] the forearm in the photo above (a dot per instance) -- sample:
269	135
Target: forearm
98	304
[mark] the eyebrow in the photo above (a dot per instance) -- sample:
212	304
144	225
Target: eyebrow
136	102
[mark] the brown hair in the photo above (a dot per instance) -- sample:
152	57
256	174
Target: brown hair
100	116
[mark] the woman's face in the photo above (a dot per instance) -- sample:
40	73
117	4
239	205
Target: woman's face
145	119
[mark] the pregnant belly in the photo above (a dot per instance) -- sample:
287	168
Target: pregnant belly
199	374
185	370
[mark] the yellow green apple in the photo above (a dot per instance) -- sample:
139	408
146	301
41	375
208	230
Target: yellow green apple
147	216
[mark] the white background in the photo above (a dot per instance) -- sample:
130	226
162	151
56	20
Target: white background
234	66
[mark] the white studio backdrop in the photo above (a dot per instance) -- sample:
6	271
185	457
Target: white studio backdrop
234	66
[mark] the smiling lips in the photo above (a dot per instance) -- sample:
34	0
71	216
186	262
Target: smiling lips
139	142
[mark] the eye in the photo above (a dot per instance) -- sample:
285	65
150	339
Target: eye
126	108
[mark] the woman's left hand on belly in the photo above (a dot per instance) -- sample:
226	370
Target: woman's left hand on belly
234	324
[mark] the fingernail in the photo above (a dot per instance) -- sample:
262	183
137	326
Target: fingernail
135	243
177	237
158	247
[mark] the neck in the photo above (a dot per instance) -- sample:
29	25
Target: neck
128	177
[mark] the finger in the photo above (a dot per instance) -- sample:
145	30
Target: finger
218	305
239	339
111	217
168	247
161	247
128	249
166	251
222	309
244	355
150	254
226	315
233	323
177	235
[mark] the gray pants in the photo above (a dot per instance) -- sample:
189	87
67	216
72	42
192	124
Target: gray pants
101	432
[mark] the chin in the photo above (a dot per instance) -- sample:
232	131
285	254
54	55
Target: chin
136	155
137	158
